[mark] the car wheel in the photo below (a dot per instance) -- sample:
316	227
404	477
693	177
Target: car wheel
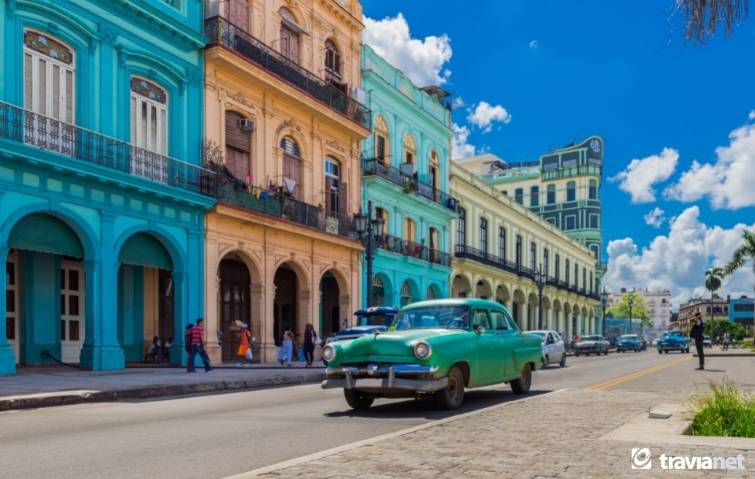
660	351
451	396
357	400
521	385
562	363
576	354
547	360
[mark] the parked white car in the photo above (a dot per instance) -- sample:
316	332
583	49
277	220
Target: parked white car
554	350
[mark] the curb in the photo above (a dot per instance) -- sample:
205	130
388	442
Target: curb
722	355
63	398
367	442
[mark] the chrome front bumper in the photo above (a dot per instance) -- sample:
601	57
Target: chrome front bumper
375	378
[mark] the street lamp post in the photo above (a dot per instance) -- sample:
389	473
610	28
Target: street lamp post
630	302
603	301
540	282
368	228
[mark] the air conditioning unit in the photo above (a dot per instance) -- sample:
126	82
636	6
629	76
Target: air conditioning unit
246	124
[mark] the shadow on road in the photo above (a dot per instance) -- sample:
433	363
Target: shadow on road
426	409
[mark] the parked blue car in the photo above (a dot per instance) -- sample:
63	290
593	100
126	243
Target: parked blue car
630	342
673	341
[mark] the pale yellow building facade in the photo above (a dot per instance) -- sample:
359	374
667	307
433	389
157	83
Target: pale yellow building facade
502	251
283	129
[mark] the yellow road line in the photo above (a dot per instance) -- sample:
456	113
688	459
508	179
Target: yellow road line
609	383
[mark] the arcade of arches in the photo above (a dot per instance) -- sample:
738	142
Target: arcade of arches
564	312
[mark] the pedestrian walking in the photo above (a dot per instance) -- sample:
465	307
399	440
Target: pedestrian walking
286	350
155	350
197	347
727	340
697	334
245	346
310	341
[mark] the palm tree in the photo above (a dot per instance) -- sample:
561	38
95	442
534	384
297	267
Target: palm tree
712	283
743	254
703	16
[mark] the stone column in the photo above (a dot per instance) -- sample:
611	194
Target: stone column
260	323
181	319
101	350
211	301
7	356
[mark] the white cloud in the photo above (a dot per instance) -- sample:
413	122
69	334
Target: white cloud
457	102
421	60
534	45
751	116
485	115
678	260
727	182
460	147
641	175
655	217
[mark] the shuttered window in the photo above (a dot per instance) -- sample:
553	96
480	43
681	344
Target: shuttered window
49	90
149	129
332	60
238	146
289	36
238	13
332	185
292	166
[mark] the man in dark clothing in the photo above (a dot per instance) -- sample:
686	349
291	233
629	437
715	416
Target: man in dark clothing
697	334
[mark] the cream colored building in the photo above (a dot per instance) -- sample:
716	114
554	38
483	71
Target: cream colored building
501	250
658	302
284	130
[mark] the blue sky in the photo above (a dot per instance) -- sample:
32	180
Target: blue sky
554	71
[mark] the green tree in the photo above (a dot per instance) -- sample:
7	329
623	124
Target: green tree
703	17
717	327
742	255
632	306
712	282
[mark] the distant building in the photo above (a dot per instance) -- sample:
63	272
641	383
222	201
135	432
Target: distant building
715	307
741	310
659	305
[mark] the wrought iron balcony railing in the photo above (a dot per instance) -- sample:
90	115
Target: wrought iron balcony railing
565	172
220	31
77	143
375	167
465	251
276	203
413	250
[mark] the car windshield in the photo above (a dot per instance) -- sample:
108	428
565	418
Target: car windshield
629	336
456	317
360	330
672	334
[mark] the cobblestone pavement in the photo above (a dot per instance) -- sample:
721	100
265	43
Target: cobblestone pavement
551	436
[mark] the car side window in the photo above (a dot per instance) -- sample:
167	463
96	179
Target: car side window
510	322
550	339
498	321
481	319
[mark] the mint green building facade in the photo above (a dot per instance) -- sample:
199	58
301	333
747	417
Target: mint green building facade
102	198
405	164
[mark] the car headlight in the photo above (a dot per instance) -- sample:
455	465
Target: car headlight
329	352
422	350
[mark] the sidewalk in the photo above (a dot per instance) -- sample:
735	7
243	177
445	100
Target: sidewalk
557	435
53	386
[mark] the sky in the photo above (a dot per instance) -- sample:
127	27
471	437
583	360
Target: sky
678	118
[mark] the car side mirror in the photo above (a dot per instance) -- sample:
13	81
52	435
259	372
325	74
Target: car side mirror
479	329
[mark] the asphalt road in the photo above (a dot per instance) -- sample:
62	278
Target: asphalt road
218	435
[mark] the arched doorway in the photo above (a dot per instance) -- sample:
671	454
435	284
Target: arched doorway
482	290
460	287
285	308
235	304
433	292
45	290
146	300
408	293
330	310
502	295
516	310
382	291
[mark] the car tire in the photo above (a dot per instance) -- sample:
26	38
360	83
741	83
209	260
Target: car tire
660	351
357	400
576	354
562	363
521	385
451	396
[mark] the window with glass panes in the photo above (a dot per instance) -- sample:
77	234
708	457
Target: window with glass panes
518	251
533	256
461	227
545	261
566	271
551	193
502	243
519	195
571	191
534	196
558	268
483	235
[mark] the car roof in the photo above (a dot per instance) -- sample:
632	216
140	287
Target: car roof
473	302
376	310
366	327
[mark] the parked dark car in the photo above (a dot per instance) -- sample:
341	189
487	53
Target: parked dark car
591	344
631	342
673	341
369	321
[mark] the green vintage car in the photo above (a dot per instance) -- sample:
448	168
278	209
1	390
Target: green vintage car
435	348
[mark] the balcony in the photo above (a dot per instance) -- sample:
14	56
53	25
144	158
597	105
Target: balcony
413	250
220	32
375	167
567	172
276	203
80	144
467	252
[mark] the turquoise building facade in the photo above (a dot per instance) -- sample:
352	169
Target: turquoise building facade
102	196
405	165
